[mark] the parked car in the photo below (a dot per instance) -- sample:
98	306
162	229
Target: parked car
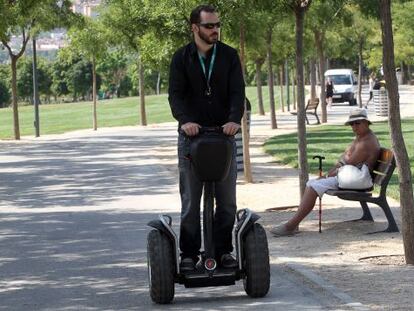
345	85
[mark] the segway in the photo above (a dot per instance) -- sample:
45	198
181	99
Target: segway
211	156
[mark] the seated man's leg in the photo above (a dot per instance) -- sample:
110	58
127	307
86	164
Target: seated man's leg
305	207
314	188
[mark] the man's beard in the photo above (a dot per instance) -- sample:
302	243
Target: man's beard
208	39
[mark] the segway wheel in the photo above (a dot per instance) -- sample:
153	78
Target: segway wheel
161	267
256	262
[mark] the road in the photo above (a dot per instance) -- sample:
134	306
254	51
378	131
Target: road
73	214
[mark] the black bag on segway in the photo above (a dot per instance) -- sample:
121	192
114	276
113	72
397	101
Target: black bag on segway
211	155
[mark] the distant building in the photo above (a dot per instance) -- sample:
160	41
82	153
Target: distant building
86	7
56	39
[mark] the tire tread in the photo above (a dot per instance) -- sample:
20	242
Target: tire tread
161	259
256	259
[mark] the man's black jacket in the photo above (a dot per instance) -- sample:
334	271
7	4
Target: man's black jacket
188	84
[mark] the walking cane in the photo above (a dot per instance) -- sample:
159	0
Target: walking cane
320	158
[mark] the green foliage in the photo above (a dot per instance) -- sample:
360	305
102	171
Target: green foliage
125	87
325	19
5	74
79	79
25	78
113	69
128	21
403	32
368	7
360	30
88	38
156	53
4	94
73	75
59	69
31	16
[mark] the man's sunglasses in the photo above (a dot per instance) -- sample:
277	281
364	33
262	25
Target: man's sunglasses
355	123
210	25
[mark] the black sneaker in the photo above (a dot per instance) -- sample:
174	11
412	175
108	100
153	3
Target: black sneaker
187	264
228	261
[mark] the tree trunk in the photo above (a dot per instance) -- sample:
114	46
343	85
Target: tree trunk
318	74
360	64
398	144
313	79
303	162
273	122
14	97
287	85
404	72
245	127
294	91
319	37
158	83
13	63
259	86
282	99
142	93
95	115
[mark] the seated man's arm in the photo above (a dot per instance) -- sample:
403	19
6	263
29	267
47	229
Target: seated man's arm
359	154
353	155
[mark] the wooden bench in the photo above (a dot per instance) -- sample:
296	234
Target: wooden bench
310	109
381	177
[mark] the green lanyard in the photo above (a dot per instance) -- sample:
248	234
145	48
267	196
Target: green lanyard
210	69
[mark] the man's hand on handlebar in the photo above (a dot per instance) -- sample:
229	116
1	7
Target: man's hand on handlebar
231	128
190	128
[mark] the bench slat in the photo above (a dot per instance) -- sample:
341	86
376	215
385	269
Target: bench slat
379	173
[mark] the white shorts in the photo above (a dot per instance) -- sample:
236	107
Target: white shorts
322	185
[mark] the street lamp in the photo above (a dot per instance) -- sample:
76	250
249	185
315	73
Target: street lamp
35	86
35	91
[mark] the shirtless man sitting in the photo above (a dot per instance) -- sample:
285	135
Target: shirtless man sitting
363	150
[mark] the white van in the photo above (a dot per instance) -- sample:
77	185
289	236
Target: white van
345	85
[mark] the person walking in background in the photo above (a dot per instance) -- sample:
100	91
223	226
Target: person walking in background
371	82
206	88
329	87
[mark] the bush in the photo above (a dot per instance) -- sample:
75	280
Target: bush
4	95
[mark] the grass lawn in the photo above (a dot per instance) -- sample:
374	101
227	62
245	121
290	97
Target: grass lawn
331	141
60	118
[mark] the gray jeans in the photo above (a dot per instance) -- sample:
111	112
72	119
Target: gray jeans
191	190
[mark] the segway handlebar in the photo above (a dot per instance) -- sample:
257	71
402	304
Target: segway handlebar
207	129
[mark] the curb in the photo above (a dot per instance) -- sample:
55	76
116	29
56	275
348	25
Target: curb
332	289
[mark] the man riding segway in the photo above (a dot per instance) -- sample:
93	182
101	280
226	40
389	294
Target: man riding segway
206	88
206	95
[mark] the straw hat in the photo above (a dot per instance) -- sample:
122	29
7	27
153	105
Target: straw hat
357	114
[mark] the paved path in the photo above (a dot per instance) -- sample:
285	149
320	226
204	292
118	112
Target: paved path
73	216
